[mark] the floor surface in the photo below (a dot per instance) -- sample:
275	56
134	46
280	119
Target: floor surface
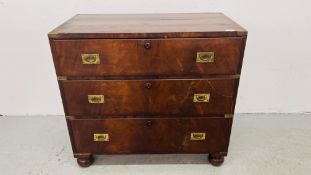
263	144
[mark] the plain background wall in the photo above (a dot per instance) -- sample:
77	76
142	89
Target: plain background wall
276	74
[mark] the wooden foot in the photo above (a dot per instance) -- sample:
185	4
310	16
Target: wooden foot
85	161
216	159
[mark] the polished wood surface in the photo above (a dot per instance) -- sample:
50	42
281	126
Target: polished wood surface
148	76
85	160
155	96
216	159
151	135
163	57
171	25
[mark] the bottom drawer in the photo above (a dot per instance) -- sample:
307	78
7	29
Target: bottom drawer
150	135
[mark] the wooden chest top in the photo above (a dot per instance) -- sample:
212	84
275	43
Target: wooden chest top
191	25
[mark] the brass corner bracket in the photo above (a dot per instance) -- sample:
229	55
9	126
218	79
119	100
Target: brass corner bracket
236	76
228	115
69	117
61	78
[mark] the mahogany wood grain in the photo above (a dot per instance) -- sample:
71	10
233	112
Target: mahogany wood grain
167	96
148	75
85	160
216	159
131	58
170	25
150	135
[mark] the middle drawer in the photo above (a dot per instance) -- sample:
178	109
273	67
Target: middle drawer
161	96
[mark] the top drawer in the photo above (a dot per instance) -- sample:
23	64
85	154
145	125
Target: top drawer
140	57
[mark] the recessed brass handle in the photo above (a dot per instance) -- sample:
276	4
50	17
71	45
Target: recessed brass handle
90	59
201	98
96	98
197	136
101	137
205	57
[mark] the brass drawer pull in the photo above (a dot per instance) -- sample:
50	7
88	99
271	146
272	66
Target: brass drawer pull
96	98
90	59
197	136
205	57
101	137
201	98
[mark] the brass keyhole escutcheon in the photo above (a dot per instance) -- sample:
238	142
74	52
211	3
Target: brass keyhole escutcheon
148	85
147	45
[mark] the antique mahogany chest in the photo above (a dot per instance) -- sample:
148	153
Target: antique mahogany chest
148	83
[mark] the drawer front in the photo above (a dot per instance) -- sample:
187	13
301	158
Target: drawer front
99	57
165	96
146	135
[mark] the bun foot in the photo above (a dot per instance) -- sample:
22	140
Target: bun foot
85	161
216	159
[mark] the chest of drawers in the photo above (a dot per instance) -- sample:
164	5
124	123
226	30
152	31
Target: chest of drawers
149	83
